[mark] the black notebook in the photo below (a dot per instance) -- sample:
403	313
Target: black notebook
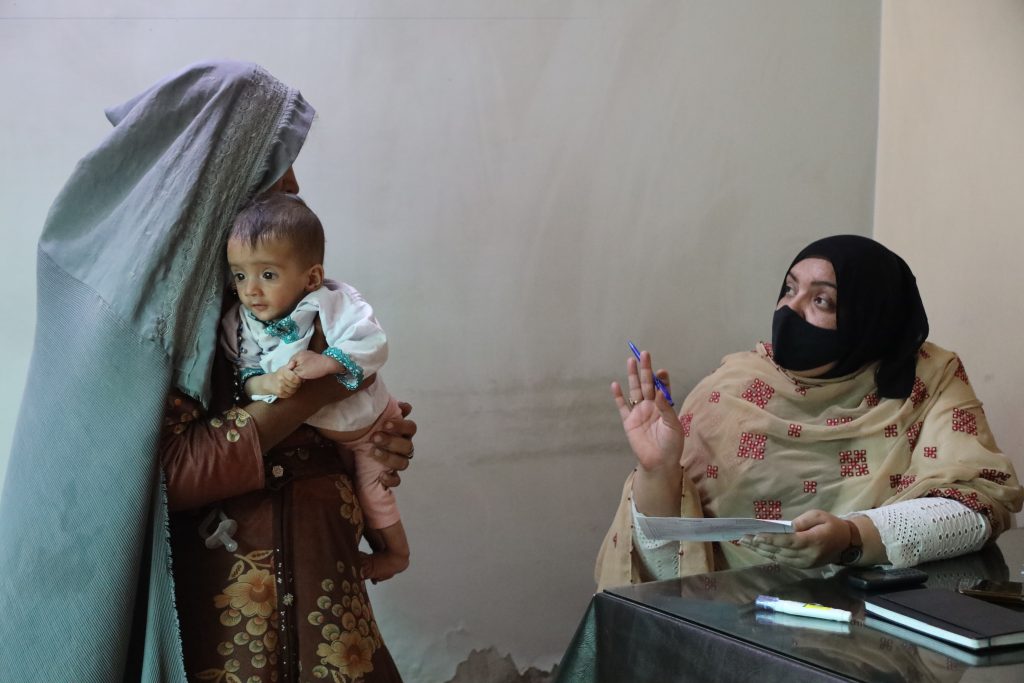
991	657
950	616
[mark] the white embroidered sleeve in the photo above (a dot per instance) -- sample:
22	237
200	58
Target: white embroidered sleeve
351	327
925	529
660	559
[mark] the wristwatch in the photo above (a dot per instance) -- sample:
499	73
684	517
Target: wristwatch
855	550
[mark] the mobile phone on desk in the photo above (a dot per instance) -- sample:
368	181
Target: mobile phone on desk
885	578
1005	592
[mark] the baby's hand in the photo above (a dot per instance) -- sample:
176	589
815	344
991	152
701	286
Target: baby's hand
312	365
284	382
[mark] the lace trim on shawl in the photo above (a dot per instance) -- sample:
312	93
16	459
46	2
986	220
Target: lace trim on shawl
215	205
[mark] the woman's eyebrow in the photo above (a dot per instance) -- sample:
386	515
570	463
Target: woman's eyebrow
814	283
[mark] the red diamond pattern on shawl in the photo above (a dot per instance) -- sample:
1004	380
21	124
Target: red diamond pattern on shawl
931	451
960	373
836	421
686	419
758	393
913	434
853	463
810	486
924	354
794	430
768	509
965	421
769	349
969	500
891	431
872	400
801	390
714	397
712	471
752	446
995	475
919	392
901	481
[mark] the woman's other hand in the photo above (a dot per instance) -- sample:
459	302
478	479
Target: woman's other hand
818	539
653	431
393	446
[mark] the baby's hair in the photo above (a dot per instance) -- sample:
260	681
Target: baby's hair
281	216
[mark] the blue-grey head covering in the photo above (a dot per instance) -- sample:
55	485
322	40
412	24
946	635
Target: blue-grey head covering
130	279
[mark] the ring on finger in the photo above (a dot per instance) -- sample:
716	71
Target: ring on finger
632	403
410	453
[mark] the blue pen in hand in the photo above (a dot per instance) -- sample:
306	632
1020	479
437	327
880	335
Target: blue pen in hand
659	385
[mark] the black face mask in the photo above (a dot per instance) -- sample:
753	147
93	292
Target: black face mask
799	345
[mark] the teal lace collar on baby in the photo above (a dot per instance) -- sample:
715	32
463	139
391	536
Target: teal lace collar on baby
284	328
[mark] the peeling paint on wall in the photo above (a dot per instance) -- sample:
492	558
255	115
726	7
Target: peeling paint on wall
487	666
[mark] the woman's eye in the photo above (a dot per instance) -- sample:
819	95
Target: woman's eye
787	289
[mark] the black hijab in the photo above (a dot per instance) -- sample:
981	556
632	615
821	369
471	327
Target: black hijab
880	316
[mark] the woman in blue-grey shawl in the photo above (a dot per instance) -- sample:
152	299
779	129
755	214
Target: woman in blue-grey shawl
131	279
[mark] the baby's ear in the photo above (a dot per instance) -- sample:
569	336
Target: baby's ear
315	278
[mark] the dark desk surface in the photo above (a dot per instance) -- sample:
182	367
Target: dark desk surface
705	628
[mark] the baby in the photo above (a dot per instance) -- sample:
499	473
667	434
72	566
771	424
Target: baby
275	255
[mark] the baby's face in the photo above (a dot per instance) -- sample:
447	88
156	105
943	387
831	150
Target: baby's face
270	277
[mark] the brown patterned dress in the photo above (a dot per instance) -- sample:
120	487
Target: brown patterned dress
287	603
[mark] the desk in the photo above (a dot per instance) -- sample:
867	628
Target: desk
705	628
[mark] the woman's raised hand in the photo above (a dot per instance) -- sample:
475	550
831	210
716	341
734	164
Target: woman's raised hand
651	426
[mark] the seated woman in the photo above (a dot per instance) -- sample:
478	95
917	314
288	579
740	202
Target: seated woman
849	423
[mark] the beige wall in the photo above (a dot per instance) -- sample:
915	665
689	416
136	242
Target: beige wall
527	184
949	191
